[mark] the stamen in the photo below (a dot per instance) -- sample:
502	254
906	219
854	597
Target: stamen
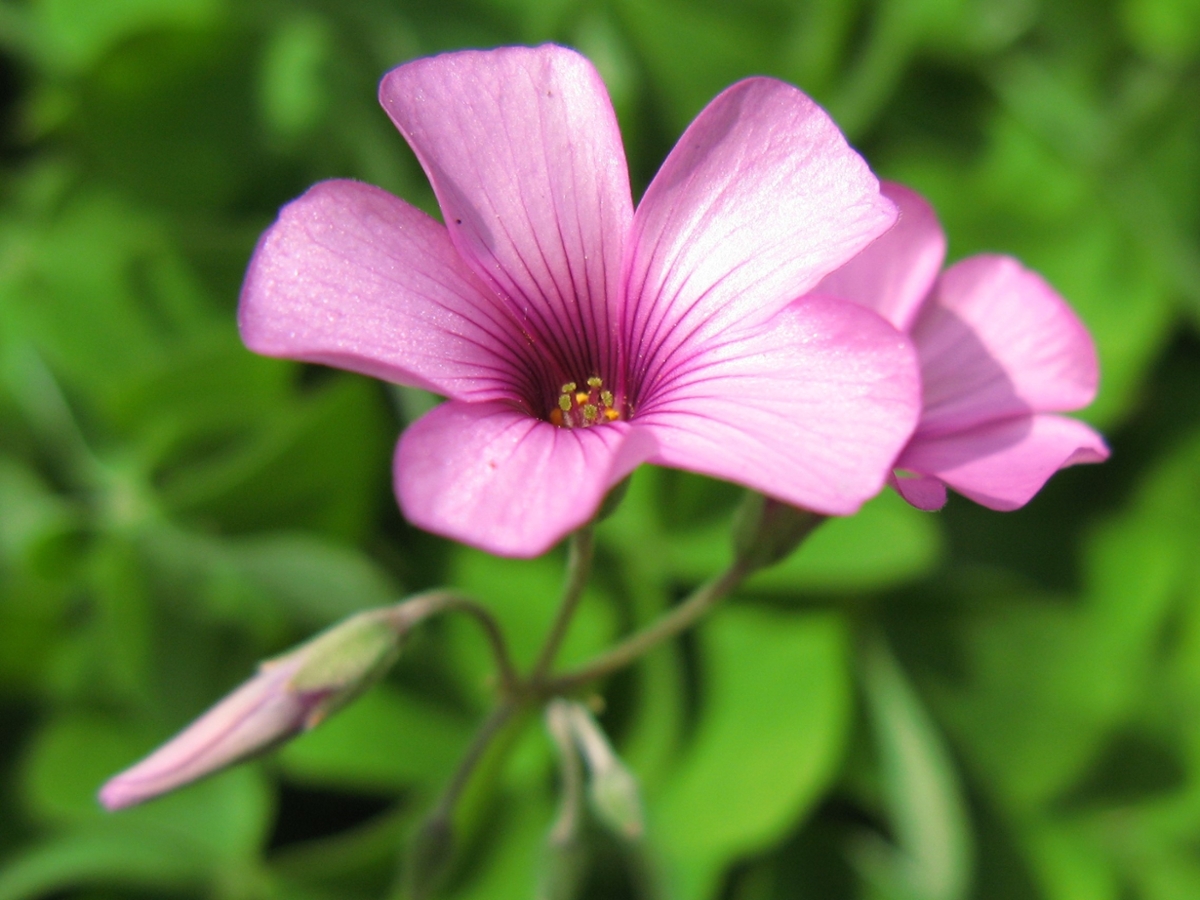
584	408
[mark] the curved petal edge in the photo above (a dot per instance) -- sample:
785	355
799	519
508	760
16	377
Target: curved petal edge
1002	465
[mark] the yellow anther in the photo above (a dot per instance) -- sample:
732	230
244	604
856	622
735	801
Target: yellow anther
567	388
590	412
564	403
581	397
556	417
606	398
594	382
611	414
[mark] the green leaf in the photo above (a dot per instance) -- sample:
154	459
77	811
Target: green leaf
209	832
221	819
81	284
1068	863
31	615
319	580
925	807
195	404
108	855
292	88
895	32
318	464
770	736
122	638
1166	29
35	519
69	759
1051	679
694	53
197	834
75	33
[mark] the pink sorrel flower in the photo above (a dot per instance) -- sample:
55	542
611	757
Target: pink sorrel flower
1001	354
577	338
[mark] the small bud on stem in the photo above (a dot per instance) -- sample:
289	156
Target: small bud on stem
766	531
289	695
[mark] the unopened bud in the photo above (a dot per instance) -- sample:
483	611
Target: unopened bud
766	531
558	725
564	855
288	695
612	789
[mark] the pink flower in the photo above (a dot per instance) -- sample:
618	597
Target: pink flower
576	338
1001	353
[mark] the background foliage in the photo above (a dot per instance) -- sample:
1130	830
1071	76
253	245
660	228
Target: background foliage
926	707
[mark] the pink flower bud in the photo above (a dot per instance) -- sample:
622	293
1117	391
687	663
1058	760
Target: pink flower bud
289	695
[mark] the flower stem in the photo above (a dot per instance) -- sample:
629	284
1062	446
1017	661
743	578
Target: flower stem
491	727
411	611
432	846
671	624
579	568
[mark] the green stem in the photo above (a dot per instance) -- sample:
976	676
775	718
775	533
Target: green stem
415	609
671	624
579	568
491	727
432	846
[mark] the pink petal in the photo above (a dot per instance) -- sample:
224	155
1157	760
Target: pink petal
353	277
523	151
1001	465
490	476
921	491
895	273
996	340
811	410
758	201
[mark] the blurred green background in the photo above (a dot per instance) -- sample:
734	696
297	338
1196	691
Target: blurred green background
918	707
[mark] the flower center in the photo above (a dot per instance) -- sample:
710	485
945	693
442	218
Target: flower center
582	406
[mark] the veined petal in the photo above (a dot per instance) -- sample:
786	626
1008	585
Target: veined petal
811	409
996	341
1001	465
897	270
523	151
758	201
353	277
489	475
